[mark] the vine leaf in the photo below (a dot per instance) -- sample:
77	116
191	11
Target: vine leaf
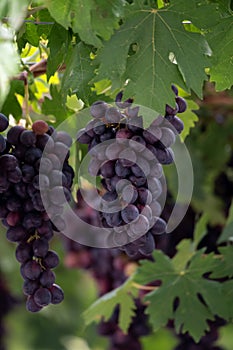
221	42
88	18
103	308
79	71
152	50
227	233
189	118
225	268
178	297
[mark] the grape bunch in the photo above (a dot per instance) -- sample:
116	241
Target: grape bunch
34	177
129	160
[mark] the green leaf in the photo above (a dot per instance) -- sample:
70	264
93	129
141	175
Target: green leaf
225	266
54	106
31	34
11	104
104	307
189	118
183	283
8	61
153	51
90	19
58	43
227	233
79	71
221	42
200	229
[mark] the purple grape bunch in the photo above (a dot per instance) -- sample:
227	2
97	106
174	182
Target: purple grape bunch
32	164
129	160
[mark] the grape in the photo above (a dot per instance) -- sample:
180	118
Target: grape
43	141
8	162
177	123
129	194
31	305
13	218
14	134
32	154
120	170
113	219
40	127
24	214
16	234
152	134
31	270
174	89
128	157
182	105
47	278
29	286
144	196
14	176
108	169
123	134
40	247
129	213
57	195
42	297
23	252
140	226
60	150
57	294
98	109
113	150
28	173
51	260
168	137
2	144
139	164
113	115
28	138
159	226
63	137
137	143
148	244
3	122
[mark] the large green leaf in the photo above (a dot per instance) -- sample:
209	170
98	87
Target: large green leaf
221	42
152	50
79	71
89	18
104	307
227	233
181	285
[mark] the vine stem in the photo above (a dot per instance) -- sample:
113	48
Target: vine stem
26	103
140	286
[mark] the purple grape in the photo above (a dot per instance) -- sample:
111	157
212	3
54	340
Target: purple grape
4	123
31	305
98	109
129	213
31	270
42	297
51	260
57	294
2	144
113	115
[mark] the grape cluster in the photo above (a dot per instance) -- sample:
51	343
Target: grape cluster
109	268
129	160
34	174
